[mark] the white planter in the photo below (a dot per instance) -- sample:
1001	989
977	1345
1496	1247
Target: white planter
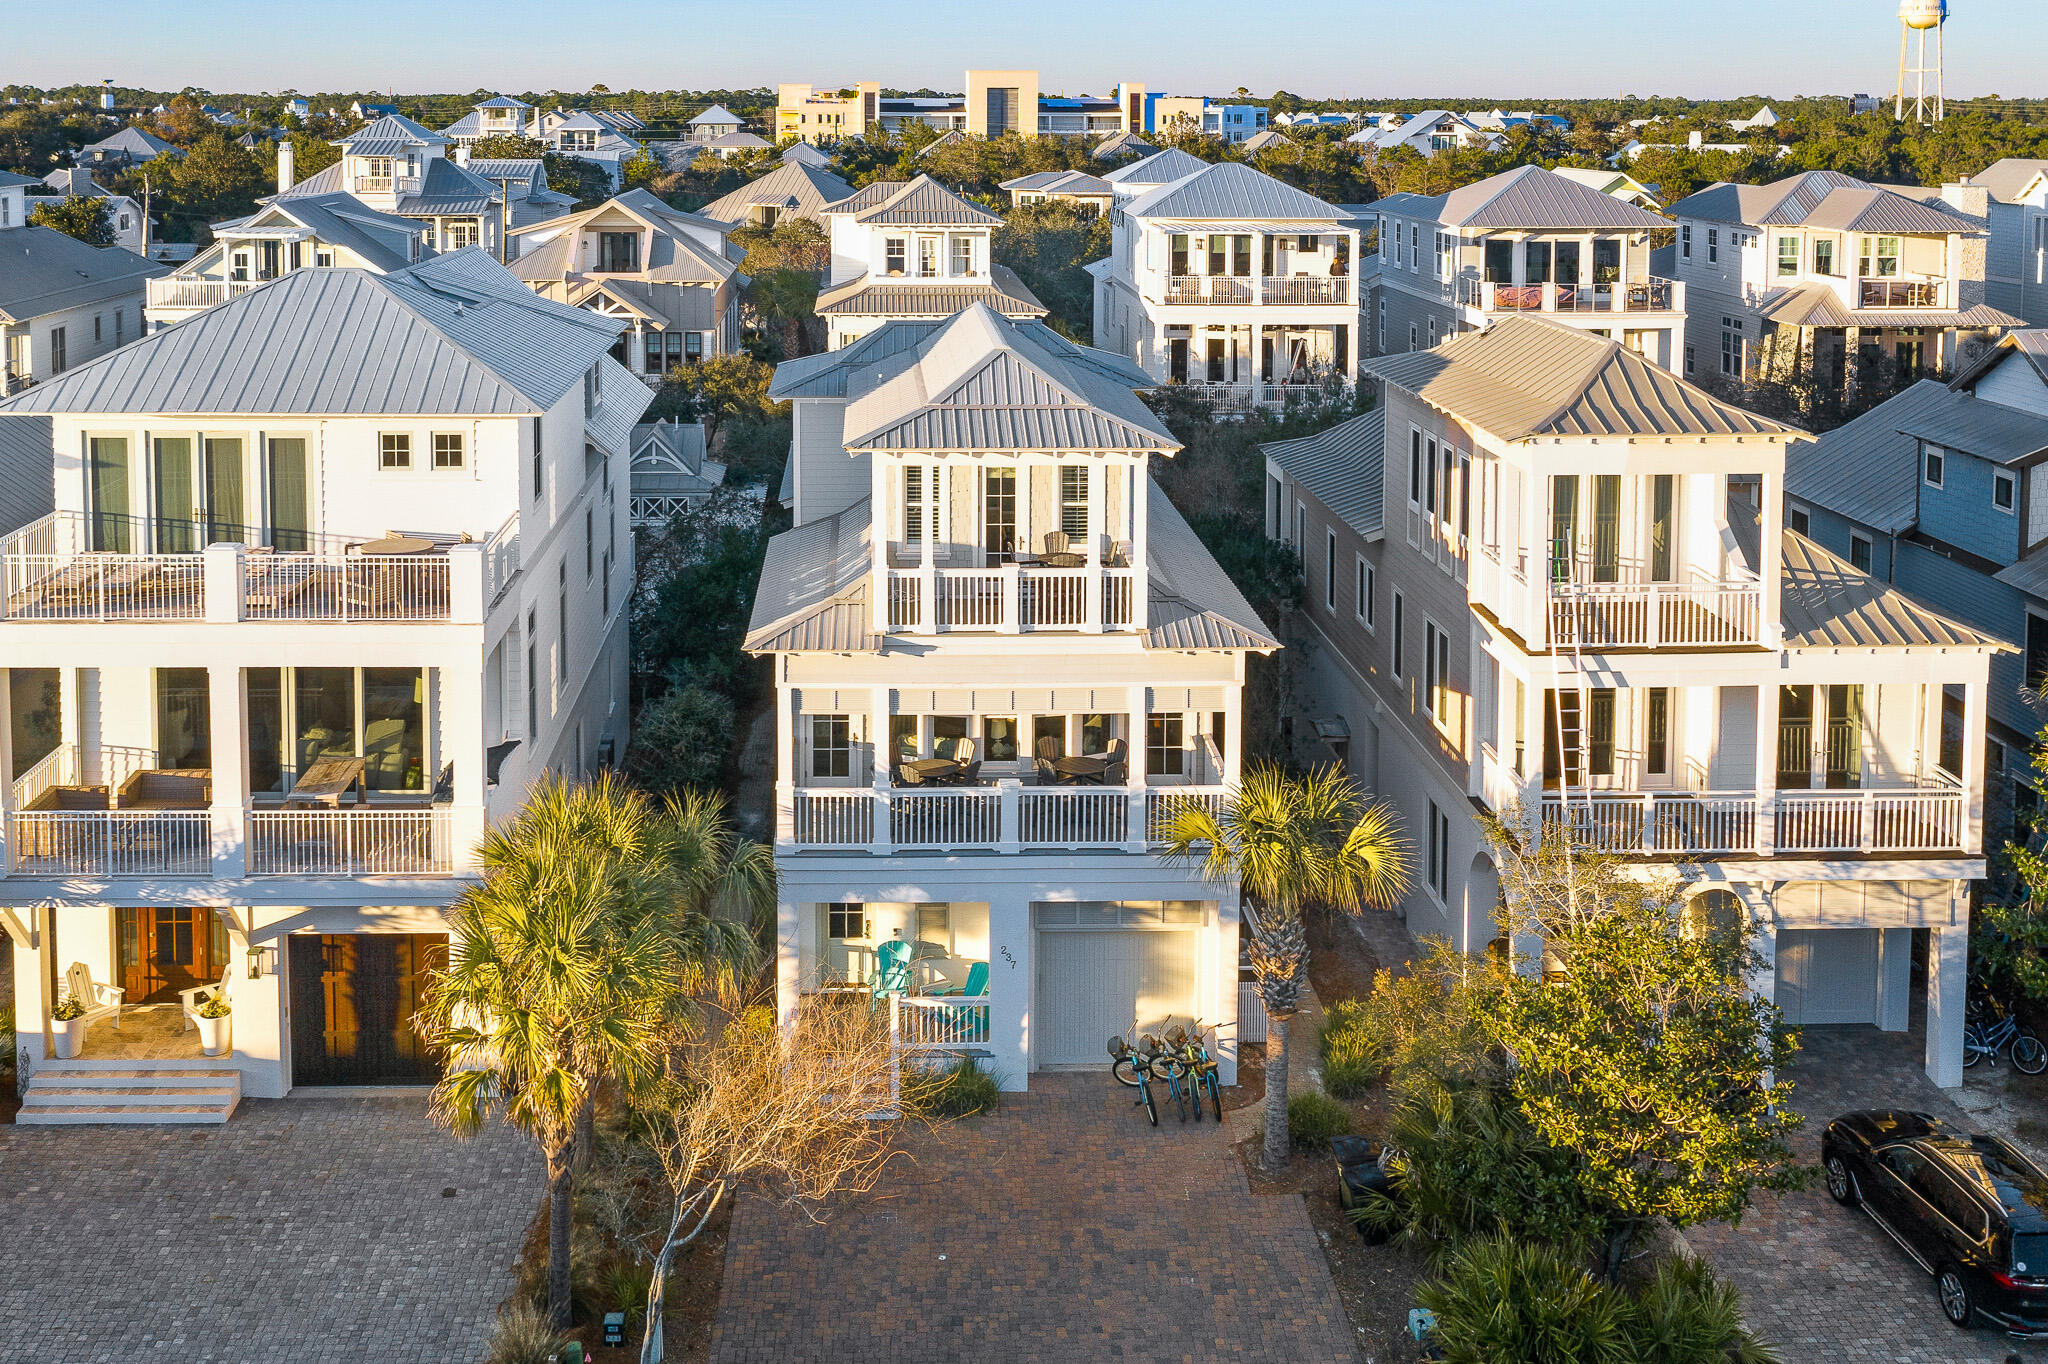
213	1035
68	1035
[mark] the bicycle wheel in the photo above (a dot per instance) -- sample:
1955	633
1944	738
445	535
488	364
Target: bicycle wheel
1172	1072
1971	1055
1151	1106
1215	1087
2029	1054
1125	1068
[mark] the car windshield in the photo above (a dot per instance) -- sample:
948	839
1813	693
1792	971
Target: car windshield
2003	1173
2030	1254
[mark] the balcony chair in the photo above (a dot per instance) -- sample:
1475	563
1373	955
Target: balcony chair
190	1000
1117	770
959	1021
966	759
100	1001
976	986
891	975
1059	551
1046	754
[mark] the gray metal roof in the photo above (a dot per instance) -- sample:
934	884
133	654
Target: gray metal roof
1530	196
1059	182
446	188
44	271
811	187
1883	210
673	255
1526	377
1123	144
924	202
1865	469
390	128
452	335
1160	168
134	143
871	195
1267	137
344	220
1343	467
2008	175
806	154
531	169
864	297
1192	603
1231	189
2029	575
1816	305
716	114
1824	199
1827	604
1988	430
9	180
825	375
978	383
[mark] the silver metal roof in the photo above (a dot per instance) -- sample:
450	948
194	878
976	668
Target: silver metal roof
387	130
825	375
1824	199
924	202
1865	469
1826	604
870	195
1527	196
1192	603
864	297
1526	377
1160	168
811	187
1816	305
452	335
1231	189
44	271
1123	144
1987	430
1343	467
2008	175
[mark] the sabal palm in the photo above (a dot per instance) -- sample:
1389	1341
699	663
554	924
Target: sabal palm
572	959
1293	845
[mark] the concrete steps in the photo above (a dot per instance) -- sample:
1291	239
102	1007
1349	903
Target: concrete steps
126	1095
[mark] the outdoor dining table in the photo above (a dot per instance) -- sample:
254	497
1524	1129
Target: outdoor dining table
326	781
396	545
1068	560
923	771
1087	770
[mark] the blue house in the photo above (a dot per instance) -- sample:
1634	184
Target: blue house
1944	491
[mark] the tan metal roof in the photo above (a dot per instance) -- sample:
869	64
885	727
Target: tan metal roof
1827	604
1526	377
1816	305
810	187
865	297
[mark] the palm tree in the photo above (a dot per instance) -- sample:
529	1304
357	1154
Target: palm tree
1294	845
573	958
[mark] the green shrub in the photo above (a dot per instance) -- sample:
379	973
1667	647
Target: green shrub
523	1336
626	1286
1684	1315
1313	1117
962	1089
682	739
68	1008
1354	1048
1503	1299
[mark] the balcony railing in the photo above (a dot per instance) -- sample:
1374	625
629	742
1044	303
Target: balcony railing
367	841
1899	293
1926	819
1011	598
1001	817
177	291
1655	615
1644	294
1302	290
364	842
1305	289
387	184
110	842
1208	289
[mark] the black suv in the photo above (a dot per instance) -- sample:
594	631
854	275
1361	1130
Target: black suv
1970	1209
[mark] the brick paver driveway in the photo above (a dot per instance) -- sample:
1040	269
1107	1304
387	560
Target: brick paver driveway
303	1230
1821	1281
1060	1228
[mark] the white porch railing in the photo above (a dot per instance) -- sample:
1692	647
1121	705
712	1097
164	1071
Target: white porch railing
970	817
1209	289
501	559
1073	816
1702	823
102	587
1305	289
1003	816
186	291
365	842
1009	599
1645	293
1878	820
110	842
334	586
1929	819
835	818
923	1023
1652	615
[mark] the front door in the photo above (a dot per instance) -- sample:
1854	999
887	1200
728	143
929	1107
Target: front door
353	999
168	948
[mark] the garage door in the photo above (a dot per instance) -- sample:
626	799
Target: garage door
1828	975
352	1001
1093	981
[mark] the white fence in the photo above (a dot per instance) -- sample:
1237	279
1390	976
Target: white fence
1724	823
1007	815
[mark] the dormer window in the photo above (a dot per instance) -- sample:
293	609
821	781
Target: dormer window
377	167
618	252
927	257
963	255
893	256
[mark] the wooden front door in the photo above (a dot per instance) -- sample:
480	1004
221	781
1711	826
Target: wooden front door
353	998
167	948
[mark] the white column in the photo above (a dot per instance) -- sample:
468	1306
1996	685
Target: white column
467	600
880	704
1025	542
31	974
461	694
1894	979
1258	371
1098	494
1233	735
1011	971
1974	725
785	768
879	521
228	719
1137	704
1767	766
221	577
1948	954
788	958
1141	532
6	770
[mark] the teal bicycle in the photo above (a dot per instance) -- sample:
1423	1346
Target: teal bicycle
1133	1067
1198	1071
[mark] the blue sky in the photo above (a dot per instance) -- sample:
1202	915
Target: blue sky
1455	48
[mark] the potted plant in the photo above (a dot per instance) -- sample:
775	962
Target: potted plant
213	1026
67	1027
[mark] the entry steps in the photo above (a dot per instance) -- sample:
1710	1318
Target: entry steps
131	1093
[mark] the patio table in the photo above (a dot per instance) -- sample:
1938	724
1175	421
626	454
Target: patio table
925	771
325	782
1064	561
1081	771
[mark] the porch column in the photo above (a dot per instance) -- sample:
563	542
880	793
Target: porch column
880	704
1767	767
1138	704
788	957
32	999
461	692
1534	718
1233	734
228	721
1975	722
1948	954
1025	542
1011	971
1258	361
1894	979
6	769
785	768
1091	583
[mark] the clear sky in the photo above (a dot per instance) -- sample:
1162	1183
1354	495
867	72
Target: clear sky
1454	48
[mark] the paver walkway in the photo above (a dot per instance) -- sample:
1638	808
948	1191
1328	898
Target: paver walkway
303	1230
1821	1281
1060	1228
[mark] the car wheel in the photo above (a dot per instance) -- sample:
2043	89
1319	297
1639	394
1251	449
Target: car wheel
1841	1184
1955	1297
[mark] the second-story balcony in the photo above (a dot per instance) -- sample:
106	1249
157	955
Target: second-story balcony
1899	293
1643	294
397	185
71	566
192	292
1246	290
1012	597
1698	611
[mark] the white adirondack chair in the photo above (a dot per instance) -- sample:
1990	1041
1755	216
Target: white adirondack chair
100	1001
190	1000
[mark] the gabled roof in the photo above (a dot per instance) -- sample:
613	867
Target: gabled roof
503	102
1989	430
865	297
739	140
9	180
1192	603
980	383
1229	191
952	138
1523	377
1824	199
1123	144
531	169
1161	168
1267	137
2009	176
806	154
2029	343
136	144
1816	305
448	188
814	586
1865	469
45	271
1344	467
809	186
1527	196
871	195
1059	182
1827	604
924	202
717	114
387	130
70	180
344	220
455	335
673	256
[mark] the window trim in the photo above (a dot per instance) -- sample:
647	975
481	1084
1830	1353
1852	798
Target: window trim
1365	589
2003	479
1933	465
1436	673
1330	569
394	452
1857	538
1399	620
461	464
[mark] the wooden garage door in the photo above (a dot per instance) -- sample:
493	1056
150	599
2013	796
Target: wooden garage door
1093	982
353	998
1828	975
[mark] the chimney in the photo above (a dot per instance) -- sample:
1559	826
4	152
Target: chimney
285	176
462	157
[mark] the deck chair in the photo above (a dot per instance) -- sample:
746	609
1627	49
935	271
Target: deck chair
892	970
101	1001
1117	771
1057	542
1046	753
190	1000
977	983
966	763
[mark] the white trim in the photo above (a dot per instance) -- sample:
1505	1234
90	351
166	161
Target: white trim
1365	592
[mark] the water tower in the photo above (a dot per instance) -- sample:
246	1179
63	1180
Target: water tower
1918	18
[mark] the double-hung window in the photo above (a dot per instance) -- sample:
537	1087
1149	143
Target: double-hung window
1400	652
1436	668
1685	241
1164	736
831	746
1713	244
1878	258
1824	256
1074	500
963	255
1366	588
1788	255
893	256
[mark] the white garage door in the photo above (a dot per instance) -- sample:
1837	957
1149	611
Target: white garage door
1828	975
1093	982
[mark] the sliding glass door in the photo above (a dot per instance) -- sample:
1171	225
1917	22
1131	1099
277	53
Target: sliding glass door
289	493
110	476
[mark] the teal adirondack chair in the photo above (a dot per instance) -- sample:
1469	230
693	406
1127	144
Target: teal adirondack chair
892	970
976	987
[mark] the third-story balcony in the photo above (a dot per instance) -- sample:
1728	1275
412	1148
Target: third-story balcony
188	291
1700	612
1240	290
1899	293
1011	598
1929	817
1644	294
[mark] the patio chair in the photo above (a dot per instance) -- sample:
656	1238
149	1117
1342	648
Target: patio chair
966	758
1117	770
1057	542
100	1001
892	970
977	983
190	1000
1047	753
